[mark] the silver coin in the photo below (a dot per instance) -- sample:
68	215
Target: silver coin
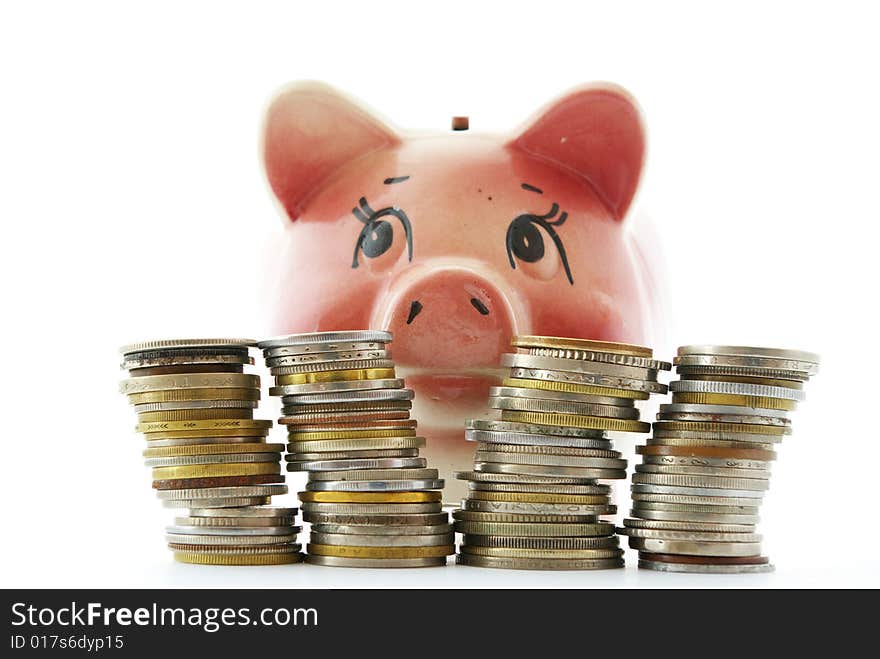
217	492
534	429
686	371
681	470
256	511
528	508
374	475
720	482
334	387
541	459
323	367
218	503
588	378
238	550
376	486
694	408
688	536
556	521
571	451
537	488
696	568
693	517
736	389
547	394
347	397
221	458
697	491
691	548
749	508
354	455
177	344
302	416
185	358
599	356
326	357
234	521
406	530
699	461
309	349
507	542
753	363
427	508
195	441
210	530
749	351
488	477
194	405
230	540
322	338
666	525
562	407
662	496
402	424
546	470
341	561
369	540
519	360
360	444
722	418
539	563
487	437
335	522
362	464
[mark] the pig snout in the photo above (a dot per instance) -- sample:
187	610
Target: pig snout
448	320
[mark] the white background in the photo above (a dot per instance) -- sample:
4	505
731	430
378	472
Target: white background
133	205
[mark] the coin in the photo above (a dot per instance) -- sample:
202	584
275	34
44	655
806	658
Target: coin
701	470
608	542
216	481
385	529
244	491
380	372
229	532
488	477
598	356
567	343
355	464
719	482
298	436
331	356
728	401
705	462
666	525
546	459
218	503
189	381
526	508
377	509
519	360
535	497
375	486
374	475
538	563
195	414
202	558
689	536
355	455
323	347
529	529
260	511
600	381
694	548
336	387
386	540
226	458
567	387
164	344
506	552
393	393
582	474
735	388
211	449
545	488
323	338
369	497
650	514
215	470
639	488
340	561
576	421
697	568
232	521
693	497
544	394
197	394
708	450
562	407
546	433
521	518
362	444
194	405
416	522
348	551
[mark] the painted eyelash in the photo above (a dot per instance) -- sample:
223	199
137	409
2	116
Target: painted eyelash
368	217
542	221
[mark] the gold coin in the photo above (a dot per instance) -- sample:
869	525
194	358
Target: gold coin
580	344
335	376
733	399
567	387
349	551
576	421
210	393
707	426
144	383
212	449
215	470
211	558
537	497
195	414
230	432
349	434
748	379
207	424
370	497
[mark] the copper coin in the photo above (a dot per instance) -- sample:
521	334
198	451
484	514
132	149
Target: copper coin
705	560
708	452
217	481
186	368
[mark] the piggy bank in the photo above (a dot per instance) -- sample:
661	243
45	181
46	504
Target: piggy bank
455	241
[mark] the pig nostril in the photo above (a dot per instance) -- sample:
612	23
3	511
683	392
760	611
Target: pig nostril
479	306
415	309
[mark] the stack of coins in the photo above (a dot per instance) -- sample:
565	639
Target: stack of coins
534	501
370	499
208	454
706	468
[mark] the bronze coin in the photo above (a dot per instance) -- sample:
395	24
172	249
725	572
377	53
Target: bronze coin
217	481
708	452
704	560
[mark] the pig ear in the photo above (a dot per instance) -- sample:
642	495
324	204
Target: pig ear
312	130
595	132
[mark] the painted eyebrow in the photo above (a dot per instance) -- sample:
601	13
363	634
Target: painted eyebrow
395	179
532	188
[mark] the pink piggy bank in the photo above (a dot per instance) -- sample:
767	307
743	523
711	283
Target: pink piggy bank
457	241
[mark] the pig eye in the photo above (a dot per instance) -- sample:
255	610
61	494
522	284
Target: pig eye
377	234
525	242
